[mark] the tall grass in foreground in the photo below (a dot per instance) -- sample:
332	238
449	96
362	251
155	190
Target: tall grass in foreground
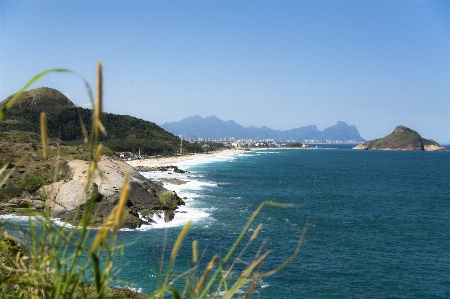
52	261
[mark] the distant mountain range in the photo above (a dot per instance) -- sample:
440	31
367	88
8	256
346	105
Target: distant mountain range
216	129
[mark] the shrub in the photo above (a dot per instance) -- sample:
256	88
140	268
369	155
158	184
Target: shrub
31	183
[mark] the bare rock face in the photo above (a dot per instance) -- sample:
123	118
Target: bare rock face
434	147
361	146
69	199
402	138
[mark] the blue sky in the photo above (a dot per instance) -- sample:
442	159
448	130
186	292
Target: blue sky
283	64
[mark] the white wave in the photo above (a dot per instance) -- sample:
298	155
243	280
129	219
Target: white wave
165	175
34	218
190	191
137	290
37	218
190	186
58	222
264	284
246	154
266	152
205	159
15	217
190	211
239	291
182	215
181	183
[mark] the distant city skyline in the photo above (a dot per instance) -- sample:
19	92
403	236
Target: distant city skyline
281	64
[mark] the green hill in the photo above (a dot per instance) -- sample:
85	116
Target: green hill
124	133
402	138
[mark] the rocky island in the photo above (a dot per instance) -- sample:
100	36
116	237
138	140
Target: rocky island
402	138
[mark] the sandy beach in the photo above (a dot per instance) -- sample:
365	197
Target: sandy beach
174	160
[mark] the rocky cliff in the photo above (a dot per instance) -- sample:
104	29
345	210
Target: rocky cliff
67	198
402	138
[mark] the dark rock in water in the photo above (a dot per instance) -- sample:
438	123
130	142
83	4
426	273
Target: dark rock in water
169	215
402	138
142	196
131	221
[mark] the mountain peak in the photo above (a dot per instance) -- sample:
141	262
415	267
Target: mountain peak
40	99
402	129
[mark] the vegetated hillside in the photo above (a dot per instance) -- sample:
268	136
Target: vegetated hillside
124	133
23	150
215	128
402	138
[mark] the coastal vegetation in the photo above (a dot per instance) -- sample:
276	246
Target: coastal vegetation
45	260
22	151
66	122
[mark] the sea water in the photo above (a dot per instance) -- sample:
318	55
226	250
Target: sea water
379	222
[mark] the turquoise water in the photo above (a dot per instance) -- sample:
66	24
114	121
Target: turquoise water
379	222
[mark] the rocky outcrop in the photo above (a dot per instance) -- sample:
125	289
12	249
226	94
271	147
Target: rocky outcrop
172	168
361	146
434	147
68	199
402	138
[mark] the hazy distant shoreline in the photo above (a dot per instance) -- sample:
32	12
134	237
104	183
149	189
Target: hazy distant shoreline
175	160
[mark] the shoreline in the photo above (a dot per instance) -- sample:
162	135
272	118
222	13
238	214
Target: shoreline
174	160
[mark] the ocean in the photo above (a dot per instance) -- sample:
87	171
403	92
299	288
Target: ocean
379	222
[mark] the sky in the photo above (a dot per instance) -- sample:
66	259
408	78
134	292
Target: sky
281	64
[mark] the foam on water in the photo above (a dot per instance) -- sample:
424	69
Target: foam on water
189	191
14	217
266	152
24	221
182	216
35	218
205	159
264	284
189	183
